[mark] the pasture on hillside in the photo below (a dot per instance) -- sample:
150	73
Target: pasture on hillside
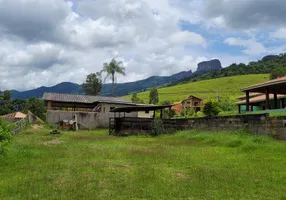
186	165
207	89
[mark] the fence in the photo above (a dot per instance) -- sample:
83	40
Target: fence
18	126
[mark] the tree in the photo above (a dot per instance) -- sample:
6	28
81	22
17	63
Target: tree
37	107
153	96
211	108
93	84
278	72
226	104
136	99
111	69
7	95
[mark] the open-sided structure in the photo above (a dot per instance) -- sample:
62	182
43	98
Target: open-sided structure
271	90
89	111
120	122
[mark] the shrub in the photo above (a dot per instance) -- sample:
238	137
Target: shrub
211	108
5	136
157	127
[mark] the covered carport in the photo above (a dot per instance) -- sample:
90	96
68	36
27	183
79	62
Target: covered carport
119	122
275	87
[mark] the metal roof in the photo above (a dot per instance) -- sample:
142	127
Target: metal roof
261	98
88	99
140	107
272	83
16	115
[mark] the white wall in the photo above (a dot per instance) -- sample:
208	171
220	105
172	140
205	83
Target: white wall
90	119
143	114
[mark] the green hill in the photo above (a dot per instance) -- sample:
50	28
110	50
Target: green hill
207	89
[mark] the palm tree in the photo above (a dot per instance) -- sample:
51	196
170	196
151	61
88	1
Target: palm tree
111	69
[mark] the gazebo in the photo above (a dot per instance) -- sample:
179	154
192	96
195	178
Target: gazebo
274	87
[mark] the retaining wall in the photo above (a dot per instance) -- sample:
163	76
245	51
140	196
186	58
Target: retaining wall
256	124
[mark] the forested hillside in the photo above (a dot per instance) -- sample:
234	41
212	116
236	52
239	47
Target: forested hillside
263	66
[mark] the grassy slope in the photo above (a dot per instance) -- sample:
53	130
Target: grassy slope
188	165
207	89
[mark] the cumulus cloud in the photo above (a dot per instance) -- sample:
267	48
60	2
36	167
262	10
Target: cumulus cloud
247	14
279	33
47	42
251	46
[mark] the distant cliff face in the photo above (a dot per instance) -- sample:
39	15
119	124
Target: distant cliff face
208	66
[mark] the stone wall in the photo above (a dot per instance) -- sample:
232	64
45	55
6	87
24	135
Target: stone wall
255	124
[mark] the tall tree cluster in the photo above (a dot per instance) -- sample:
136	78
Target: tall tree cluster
93	83
154	96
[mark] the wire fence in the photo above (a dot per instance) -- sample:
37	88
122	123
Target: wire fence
18	126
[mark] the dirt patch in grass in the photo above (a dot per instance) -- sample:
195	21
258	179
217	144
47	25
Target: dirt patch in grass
93	138
181	176
52	142
37	126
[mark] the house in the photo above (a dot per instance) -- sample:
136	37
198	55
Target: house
191	102
14	117
264	96
89	111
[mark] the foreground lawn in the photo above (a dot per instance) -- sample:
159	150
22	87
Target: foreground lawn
188	165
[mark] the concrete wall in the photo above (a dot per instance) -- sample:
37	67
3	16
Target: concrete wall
143	114
86	120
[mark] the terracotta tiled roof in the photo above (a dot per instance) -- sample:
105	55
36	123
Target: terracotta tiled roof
16	115
177	107
260	98
74	98
251	94
267	83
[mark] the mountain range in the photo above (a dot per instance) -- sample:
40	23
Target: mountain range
122	89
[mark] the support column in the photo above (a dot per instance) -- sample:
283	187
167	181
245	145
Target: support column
267	106
161	114
154	115
49	105
275	101
247	101
239	109
283	103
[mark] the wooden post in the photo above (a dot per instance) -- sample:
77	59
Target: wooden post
275	101
239	109
247	101
161	114
76	124
154	115
267	99
49	105
283	103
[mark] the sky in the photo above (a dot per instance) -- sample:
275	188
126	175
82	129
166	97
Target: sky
45	42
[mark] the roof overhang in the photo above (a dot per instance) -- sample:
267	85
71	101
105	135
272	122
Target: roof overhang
273	87
140	108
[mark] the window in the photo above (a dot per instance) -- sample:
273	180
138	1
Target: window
147	111
188	102
111	108
196	103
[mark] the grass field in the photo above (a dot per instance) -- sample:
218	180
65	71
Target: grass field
187	165
208	89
